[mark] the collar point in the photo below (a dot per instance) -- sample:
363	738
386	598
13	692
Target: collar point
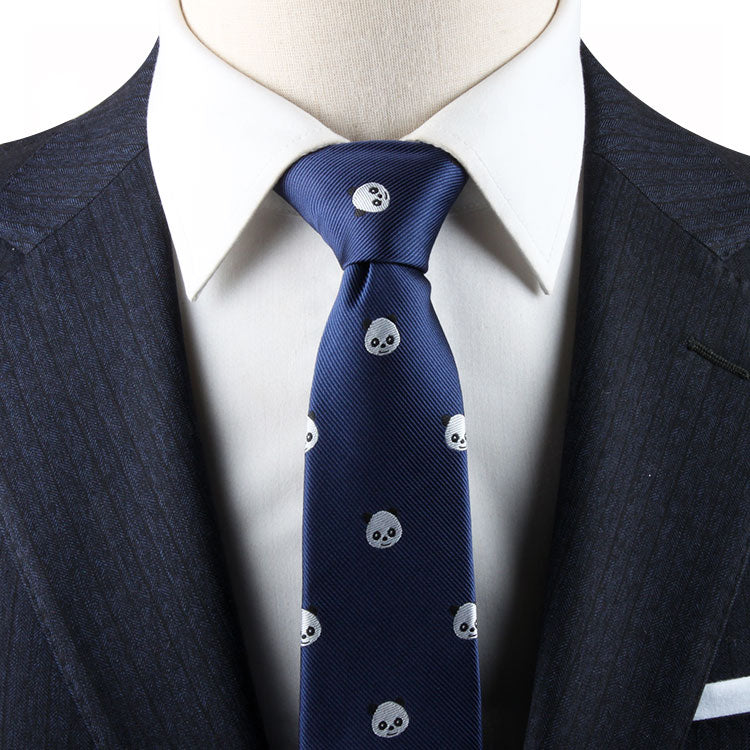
191	286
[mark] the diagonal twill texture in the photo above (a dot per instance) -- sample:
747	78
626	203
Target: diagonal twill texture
389	623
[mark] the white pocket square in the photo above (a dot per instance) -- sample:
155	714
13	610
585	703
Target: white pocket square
724	698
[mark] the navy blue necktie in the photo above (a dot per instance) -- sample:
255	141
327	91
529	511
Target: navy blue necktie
389	616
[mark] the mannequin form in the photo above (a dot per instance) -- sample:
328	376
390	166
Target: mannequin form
335	59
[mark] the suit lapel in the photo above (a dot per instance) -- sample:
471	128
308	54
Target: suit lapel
103	499
651	530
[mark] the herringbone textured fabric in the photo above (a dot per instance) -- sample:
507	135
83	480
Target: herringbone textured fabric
653	516
117	625
104	507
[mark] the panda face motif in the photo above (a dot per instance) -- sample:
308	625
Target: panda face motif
389	719
383	528
382	336
465	621
312	432
310	628
455	431
370	198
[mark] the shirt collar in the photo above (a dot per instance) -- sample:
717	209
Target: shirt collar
518	133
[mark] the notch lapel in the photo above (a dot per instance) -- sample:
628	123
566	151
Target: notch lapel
103	499
653	519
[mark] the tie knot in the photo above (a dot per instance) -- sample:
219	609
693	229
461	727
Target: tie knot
380	200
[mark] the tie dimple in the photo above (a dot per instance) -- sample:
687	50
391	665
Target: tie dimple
389	625
382	201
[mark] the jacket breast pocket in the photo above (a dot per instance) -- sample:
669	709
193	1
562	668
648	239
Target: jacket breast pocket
720	733
724	698
722	719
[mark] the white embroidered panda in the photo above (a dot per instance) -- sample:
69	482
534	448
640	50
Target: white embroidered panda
455	431
465	621
389	719
370	198
310	628
383	528
382	336
311	437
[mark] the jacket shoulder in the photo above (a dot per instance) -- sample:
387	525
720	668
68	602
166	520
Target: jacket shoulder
48	177
699	184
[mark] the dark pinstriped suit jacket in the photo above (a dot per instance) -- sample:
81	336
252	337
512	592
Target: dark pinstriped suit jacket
116	624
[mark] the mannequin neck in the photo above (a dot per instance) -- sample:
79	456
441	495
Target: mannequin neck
370	69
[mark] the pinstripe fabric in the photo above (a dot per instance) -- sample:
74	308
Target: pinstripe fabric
651	532
104	506
699	185
732	660
39	707
114	599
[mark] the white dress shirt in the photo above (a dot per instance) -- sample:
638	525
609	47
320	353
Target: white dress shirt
257	283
